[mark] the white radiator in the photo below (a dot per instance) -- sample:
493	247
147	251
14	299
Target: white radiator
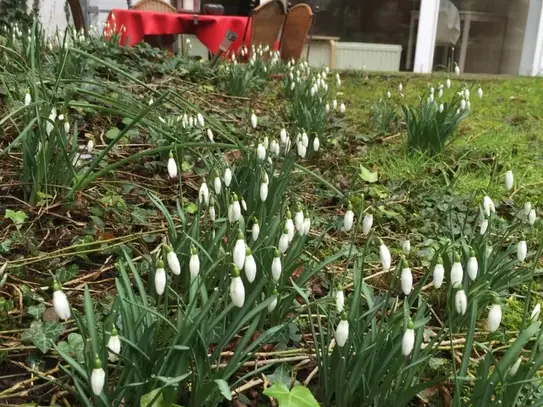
375	57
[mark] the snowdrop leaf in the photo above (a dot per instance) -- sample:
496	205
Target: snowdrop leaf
224	388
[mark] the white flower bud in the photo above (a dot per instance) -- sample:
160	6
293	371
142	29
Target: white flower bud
494	317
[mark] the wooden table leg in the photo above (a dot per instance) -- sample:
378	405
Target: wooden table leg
464	44
410	43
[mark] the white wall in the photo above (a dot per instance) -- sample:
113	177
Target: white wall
52	14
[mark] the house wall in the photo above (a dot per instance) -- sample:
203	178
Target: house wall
52	14
514	41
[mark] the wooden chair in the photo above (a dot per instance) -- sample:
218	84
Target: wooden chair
77	15
266	23
159	6
295	31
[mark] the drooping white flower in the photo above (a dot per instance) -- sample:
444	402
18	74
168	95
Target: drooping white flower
340	300
203	194
532	217
273	304
342	108
406	247
254	120
466	93
227	177
384	254
473	266
194	263
172	166
457	272
388	94
457	69
236	209
98	377
400	88
289	225
90	145
440	92
316	144
263	191
483	226
305	139
334	104
28	99
480	92
514	369
237	289
439	273
299	220
441	108
448	83
461	302
342	331
408	340
66	127
249	266
210	135
348	218
338	80
508	179
406	278
327	108
522	250
60	302
302	150
212	213
160	278
494	317
255	230
307	223
488	206
200	119
173	262
283	136
535	313
217	185
462	104
238	253
367	224
283	241
276	267
261	152
114	345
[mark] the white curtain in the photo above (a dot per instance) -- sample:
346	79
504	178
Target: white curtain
448	26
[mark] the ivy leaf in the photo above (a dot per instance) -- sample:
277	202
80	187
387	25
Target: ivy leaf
17	217
74	345
112	133
299	396
146	399
66	274
367	175
42	335
36	310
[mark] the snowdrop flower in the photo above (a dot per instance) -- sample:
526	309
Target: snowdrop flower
172	166
273	304
237	290
305	139
90	145
473	266
348	218
535	313
384	254
439	273
276	267
307	223
463	104
113	345
440	92
212	213
66	127
457	70
522	250
406	247
210	135
334	104
284	241
254	120
266	142
338	80
483	226
60	302
200	120
480	92
457	272
289	225
327	108
227	177
342	331
367	224
173	261
263	191
316	144
400	88
283	136
388	94
448	83
514	369
239	251
441	108
340	300
160	278
261	152
508	178
236	209
494	317
408	340
98	377
255	230
194	262
28	99
217	185
249	266
406	278
461	302
342	108
302	150
466	93
299	220
527	208
488	206
203	193
532	217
